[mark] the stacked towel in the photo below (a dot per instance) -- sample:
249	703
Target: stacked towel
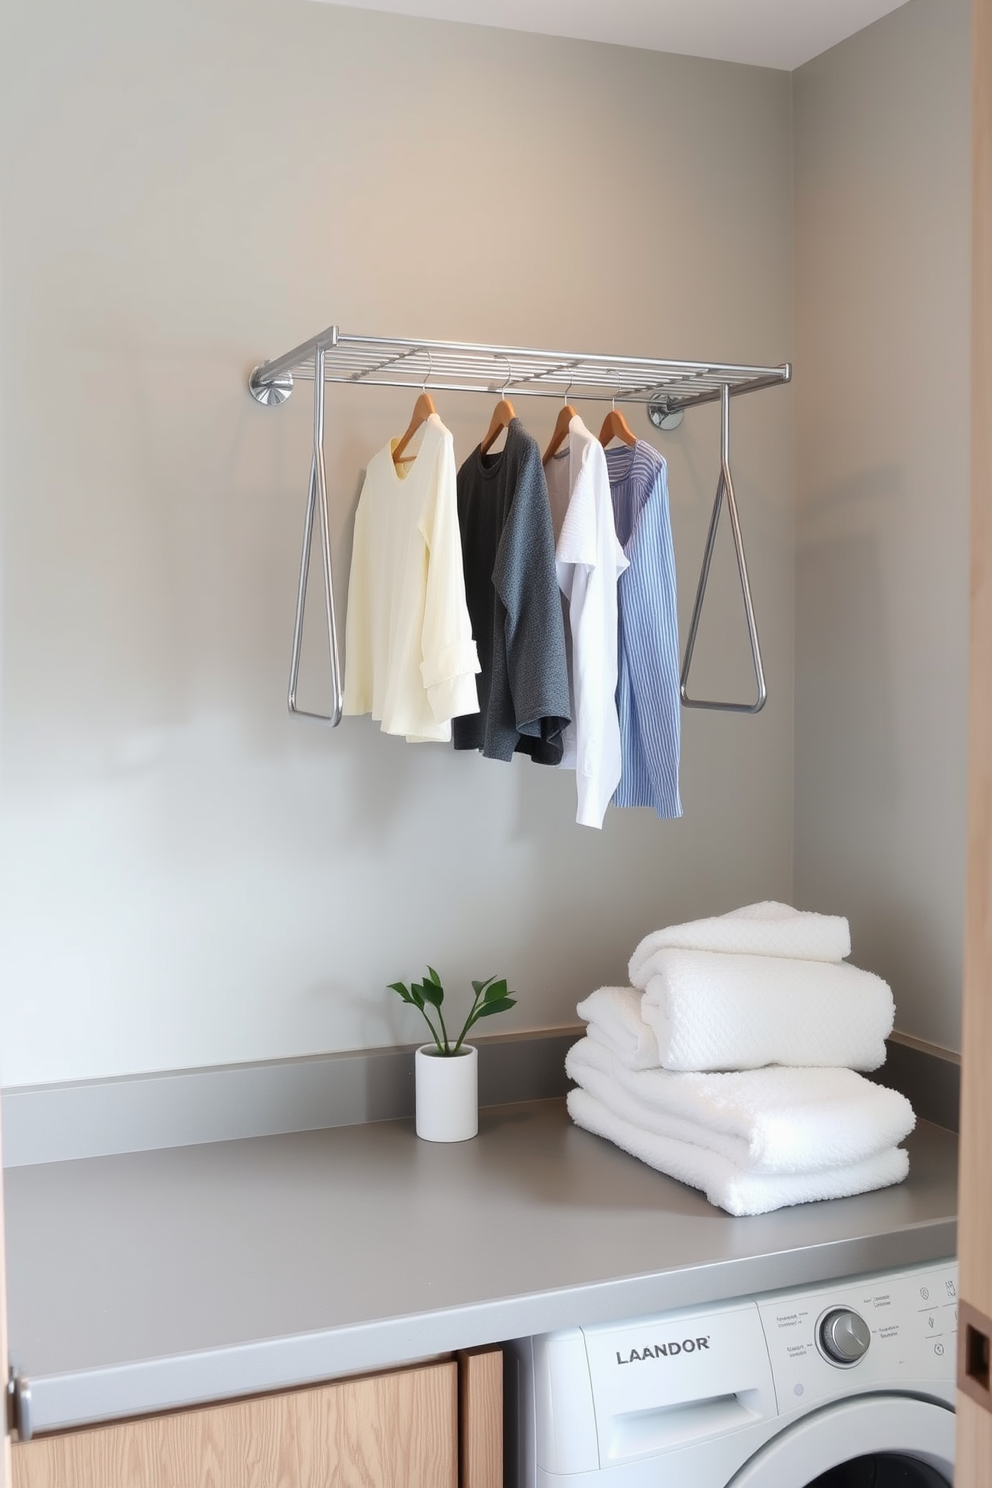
774	1120
722	1181
765	929
742	1012
730	1064
614	1018
716	1011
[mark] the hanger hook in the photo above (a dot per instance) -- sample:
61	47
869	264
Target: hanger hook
568	390
509	375
430	370
616	394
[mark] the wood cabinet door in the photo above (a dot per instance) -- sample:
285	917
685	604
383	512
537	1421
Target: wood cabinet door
974	1447
396	1430
480	1417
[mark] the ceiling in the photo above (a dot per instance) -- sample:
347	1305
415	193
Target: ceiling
765	33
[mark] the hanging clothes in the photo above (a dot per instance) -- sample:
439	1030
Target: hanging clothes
512	589
648	690
589	561
411	659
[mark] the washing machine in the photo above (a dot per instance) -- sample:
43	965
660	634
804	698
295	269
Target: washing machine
846	1385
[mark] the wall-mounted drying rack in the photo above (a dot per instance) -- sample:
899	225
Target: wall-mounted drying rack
666	388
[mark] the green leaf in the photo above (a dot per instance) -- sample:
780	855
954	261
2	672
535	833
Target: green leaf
434	993
417	995
478	986
502	1005
498	989
402	989
434	976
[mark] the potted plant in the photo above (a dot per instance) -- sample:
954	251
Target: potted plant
447	1073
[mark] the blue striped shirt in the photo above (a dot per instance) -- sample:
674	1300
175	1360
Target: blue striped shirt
648	686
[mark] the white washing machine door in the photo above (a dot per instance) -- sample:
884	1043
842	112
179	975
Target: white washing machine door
911	1442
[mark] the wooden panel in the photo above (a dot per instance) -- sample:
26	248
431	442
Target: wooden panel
396	1430
975	1235
249	1444
388	1431
974	1447
974	1333
975	1218
480	1412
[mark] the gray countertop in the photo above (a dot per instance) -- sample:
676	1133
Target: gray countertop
151	1280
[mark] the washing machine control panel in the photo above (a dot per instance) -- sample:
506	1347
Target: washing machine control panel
867	1333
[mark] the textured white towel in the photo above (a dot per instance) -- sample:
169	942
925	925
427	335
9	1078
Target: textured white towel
766	929
714	1012
773	1120
614	1018
722	1181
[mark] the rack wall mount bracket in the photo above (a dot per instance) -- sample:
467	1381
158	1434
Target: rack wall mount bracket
270	392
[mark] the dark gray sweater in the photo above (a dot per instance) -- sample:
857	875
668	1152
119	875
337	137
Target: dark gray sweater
511	585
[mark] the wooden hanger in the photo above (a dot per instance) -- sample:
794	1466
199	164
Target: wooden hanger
615	426
502	414
560	432
422	410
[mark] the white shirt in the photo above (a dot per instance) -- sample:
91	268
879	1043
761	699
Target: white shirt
589	560
410	658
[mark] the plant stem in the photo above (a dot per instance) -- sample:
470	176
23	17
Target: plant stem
446	1049
468	1022
430	1025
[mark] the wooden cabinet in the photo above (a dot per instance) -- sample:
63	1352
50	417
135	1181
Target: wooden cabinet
394	1430
974	1448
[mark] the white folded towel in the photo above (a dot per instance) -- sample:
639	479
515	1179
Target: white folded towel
614	1018
722	1181
718	1012
765	929
773	1120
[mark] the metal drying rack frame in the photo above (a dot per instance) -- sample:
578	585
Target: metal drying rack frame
666	388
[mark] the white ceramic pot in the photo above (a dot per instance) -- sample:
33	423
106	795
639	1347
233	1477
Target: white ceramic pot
447	1094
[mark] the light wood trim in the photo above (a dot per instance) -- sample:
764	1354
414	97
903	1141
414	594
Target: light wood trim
970	1322
973	1468
396	1430
976	1087
975	1228
974	1445
480	1411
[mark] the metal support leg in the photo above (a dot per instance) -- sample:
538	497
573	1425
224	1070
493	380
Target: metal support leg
725	485
317	501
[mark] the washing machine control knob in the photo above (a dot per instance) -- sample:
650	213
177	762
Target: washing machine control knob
844	1336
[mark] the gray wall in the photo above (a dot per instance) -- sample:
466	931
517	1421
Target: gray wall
189	186
882	152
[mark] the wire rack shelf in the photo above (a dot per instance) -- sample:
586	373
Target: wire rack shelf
458	366
666	388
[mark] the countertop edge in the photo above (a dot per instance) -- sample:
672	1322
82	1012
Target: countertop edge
144	1387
